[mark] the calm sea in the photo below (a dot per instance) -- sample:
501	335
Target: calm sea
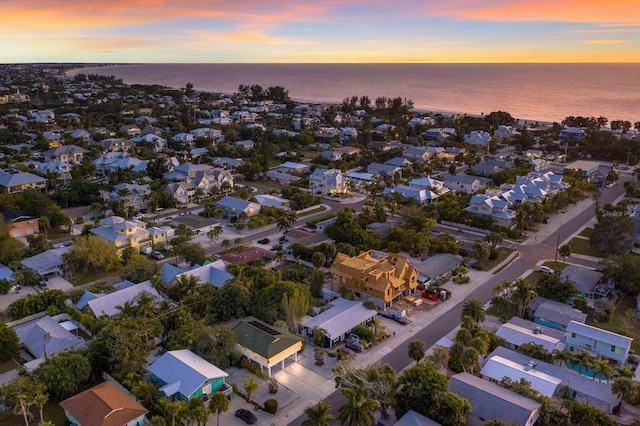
544	92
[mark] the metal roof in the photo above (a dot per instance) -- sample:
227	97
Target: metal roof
599	334
340	318
498	368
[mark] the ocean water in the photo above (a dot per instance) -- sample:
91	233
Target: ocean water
541	92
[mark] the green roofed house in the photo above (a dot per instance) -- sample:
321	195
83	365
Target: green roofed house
265	344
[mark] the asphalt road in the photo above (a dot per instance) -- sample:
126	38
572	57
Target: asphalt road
448	321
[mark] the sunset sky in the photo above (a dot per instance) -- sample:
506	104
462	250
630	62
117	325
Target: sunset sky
320	31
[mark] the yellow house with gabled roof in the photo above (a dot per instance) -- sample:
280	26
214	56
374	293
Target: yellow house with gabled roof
382	277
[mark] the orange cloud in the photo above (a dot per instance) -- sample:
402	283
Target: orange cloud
605	41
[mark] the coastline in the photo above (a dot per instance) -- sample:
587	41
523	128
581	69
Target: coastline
463	94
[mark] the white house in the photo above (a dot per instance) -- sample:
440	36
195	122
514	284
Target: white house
492	206
328	182
477	138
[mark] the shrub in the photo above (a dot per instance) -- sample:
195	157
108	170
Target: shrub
273	386
271	406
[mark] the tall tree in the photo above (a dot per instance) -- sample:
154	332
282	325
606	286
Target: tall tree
359	409
473	308
9	343
218	403
416	350
250	387
318	415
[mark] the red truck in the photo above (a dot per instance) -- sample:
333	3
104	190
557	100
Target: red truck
430	295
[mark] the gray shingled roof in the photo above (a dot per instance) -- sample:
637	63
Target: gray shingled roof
491	401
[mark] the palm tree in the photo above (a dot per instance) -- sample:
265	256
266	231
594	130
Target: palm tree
416	350
583	359
250	387
625	388
318	415
564	251
473	308
522	294
44	223
214	233
280	257
562	356
602	369
219	403
359	409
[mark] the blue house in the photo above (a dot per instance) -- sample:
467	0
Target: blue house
557	315
598	342
183	375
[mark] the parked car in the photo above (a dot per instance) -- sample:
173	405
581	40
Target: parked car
346	351
355	346
611	184
264	241
246	415
42	284
547	270
157	255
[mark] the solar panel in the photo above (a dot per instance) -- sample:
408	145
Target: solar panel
262	327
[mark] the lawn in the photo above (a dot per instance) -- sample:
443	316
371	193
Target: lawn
534	276
616	323
52	412
505	314
8	366
313	211
91	276
586	232
503	252
581	246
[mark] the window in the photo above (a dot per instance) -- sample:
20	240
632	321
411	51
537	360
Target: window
613	348
573	335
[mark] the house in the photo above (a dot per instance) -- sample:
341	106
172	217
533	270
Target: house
411	418
127	233
292	167
385	171
116	144
157	142
398	162
131	194
131	130
6	273
572	133
494	207
81	135
407	193
583	388
505	132
464	183
375	275
234	206
359	179
250	255
419	153
14	181
430	183
46	264
106	404
227	163
272	201
556	315
435	267
585	280
181	191
338	320
584	167
246	145
451	153
490	167
328	182
20	223
109	304
490	401
214	273
598	342
71	154
282	178
519	331
183	375
477	138
43	337
265	344
53	139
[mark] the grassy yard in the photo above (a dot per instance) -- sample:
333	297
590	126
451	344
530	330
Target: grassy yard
91	276
52	412
503	252
8	366
616	323
505	314
534	276
313	211
581	246
586	232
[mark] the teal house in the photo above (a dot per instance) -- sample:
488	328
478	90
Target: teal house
183	375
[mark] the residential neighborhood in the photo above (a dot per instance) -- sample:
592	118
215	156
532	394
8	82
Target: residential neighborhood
169	256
